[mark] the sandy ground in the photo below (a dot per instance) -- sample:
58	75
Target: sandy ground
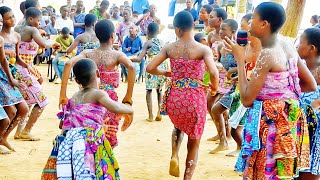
143	153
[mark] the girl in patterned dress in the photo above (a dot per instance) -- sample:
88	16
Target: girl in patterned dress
92	155
309	50
32	92
271	147
236	122
108	61
228	29
11	99
151	48
87	40
185	98
78	19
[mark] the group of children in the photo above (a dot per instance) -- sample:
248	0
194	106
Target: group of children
263	91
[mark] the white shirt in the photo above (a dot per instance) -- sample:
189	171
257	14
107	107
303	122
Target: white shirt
61	23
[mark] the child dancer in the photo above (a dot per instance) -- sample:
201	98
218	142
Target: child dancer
309	50
228	29
152	48
107	61
87	40
33	94
185	99
217	16
85	112
10	98
236	122
270	146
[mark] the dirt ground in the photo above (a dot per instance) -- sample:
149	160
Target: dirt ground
144	149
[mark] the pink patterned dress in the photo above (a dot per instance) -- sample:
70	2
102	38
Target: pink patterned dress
110	80
185	100
33	93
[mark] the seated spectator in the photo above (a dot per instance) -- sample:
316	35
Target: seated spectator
65	40
50	30
132	46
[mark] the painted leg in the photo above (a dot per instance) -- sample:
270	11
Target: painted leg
192	158
176	139
34	116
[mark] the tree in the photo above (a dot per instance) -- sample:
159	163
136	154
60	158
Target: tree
294	12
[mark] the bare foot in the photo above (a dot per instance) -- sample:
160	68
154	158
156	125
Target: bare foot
233	153
150	119
27	137
7	145
214	138
3	151
158	118
219	148
174	168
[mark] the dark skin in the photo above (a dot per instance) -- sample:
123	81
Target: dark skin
143	53
19	111
311	55
78	11
195	51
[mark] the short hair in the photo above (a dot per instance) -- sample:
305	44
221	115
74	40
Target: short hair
84	71
23	6
89	20
273	13
232	24
208	8
33	12
31	3
65	30
45	11
315	18
64	6
104	30
313	36
115	7
221	13
153	28
121	6
248	17
105	3
199	36
135	12
215	6
183	20
145	11
4	10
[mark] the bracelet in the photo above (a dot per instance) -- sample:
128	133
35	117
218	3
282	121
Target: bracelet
127	102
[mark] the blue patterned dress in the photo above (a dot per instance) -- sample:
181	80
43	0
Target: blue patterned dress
228	62
155	81
79	19
313	128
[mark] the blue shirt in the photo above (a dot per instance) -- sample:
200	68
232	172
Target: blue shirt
136	46
50	30
194	14
140	5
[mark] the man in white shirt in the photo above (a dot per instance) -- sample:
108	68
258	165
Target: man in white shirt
64	20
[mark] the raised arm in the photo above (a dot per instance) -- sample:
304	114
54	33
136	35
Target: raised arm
65	76
123	59
212	69
307	81
152	67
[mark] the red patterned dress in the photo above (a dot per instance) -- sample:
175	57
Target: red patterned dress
185	100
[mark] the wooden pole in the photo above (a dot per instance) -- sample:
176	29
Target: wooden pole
294	12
